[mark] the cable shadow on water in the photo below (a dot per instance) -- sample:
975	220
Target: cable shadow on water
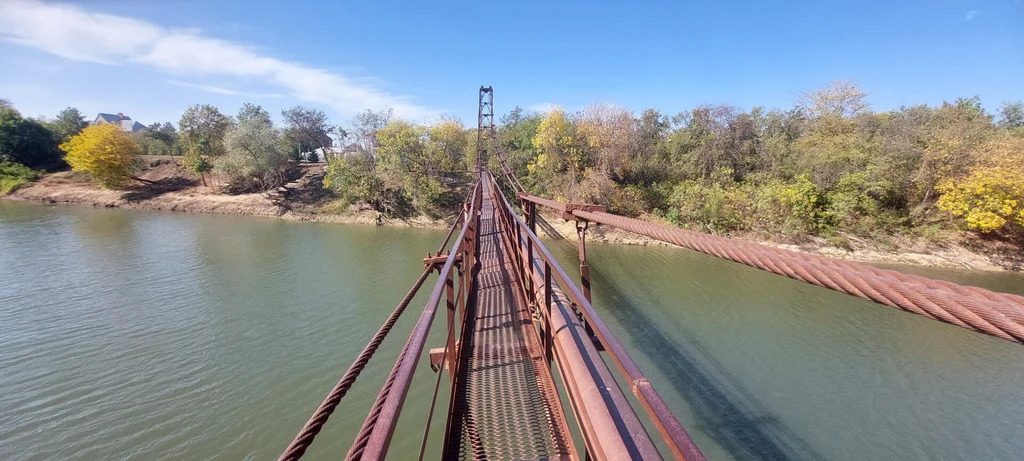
723	409
546	226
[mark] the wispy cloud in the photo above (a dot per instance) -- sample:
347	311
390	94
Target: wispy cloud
222	90
73	33
543	107
971	15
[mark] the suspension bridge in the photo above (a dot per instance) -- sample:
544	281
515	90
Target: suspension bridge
529	360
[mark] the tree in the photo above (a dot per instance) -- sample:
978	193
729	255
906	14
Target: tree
311	129
68	123
516	133
160	139
991	196
253	158
355	178
949	137
561	149
106	152
367	124
202	130
27	141
609	130
840	98
1011	115
447	145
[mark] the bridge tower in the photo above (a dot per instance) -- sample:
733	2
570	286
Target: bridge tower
485	126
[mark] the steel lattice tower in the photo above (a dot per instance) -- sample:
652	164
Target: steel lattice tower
485	126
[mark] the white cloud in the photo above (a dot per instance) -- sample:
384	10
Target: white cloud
971	15
72	33
222	90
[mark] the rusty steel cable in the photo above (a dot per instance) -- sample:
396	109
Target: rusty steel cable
309	431
316	422
386	404
433	397
997	314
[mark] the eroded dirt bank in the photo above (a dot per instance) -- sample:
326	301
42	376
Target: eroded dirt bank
303	199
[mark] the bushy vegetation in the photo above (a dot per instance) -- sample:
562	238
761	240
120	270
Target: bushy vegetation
14	175
26	141
404	166
253	155
827	166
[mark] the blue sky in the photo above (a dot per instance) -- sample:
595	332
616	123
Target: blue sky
150	60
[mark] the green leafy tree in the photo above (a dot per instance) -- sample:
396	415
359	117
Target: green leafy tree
27	142
1011	115
202	129
447	145
159	139
252	157
68	123
355	179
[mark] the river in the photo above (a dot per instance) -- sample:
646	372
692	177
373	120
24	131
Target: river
147	335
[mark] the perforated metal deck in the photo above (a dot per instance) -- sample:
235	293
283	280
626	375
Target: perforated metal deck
505	403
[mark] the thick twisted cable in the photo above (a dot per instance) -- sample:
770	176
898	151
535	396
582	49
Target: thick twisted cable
997	314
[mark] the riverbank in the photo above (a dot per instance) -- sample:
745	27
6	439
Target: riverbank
176	190
305	200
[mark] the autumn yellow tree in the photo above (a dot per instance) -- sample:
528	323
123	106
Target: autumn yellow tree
104	151
991	196
564	154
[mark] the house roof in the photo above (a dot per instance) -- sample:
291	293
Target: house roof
112	118
131	125
126	122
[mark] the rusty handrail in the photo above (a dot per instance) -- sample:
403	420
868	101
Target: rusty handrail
973	308
298	446
667	424
374	436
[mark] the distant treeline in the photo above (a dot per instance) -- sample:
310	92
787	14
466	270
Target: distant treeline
829	166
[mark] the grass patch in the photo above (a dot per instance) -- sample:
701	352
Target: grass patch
15	175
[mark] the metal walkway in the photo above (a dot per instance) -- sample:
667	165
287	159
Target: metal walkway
514	315
505	405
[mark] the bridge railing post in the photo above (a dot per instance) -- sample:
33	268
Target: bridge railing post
548	334
450	340
581	233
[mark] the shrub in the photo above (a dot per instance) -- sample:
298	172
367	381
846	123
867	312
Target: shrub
14	175
709	205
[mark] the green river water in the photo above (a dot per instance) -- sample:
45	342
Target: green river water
148	335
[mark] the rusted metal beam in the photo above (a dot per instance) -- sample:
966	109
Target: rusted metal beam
566	209
435	262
